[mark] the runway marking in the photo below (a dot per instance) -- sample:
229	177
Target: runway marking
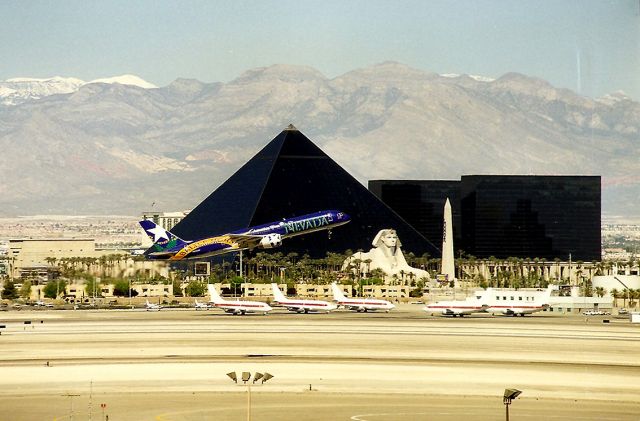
409	414
520	415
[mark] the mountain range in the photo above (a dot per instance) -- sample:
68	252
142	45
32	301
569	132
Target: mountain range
121	145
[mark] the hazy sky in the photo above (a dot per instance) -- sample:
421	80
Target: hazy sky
590	46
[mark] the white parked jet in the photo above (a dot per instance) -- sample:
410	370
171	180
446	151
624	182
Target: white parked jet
512	302
202	306
456	308
359	304
151	307
301	306
41	303
236	307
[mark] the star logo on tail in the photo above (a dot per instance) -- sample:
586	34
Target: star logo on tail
158	233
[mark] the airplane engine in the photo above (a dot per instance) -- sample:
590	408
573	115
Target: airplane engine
270	241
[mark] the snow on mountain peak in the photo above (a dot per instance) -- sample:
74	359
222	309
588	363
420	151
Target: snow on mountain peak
613	98
20	89
477	78
126	80
55	79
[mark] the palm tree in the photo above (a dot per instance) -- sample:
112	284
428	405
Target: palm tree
402	273
636	296
600	292
614	293
368	263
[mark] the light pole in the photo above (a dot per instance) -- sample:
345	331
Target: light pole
70	396
246	376
509	395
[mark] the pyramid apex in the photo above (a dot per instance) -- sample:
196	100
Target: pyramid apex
291	127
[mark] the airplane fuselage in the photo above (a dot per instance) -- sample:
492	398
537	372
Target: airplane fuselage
455	308
365	304
306	306
242	307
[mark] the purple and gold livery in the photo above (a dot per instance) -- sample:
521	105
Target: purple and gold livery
167	246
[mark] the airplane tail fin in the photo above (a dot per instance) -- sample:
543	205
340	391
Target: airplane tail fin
277	294
162	239
337	292
213	293
147	303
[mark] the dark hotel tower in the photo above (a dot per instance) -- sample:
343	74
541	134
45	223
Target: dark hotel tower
531	216
504	215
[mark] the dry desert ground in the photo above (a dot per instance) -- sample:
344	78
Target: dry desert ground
171	365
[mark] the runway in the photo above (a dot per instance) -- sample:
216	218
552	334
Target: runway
171	365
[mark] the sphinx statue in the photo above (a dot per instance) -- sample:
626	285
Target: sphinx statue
387	256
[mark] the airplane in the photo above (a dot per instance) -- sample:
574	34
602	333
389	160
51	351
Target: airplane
168	246
150	306
359	304
41	303
202	306
299	305
456	308
515	303
236	307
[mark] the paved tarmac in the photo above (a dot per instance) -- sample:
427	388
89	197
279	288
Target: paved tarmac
404	365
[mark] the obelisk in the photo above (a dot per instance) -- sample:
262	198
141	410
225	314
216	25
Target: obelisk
448	265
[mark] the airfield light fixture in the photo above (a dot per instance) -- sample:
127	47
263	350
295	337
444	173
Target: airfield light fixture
509	395
245	377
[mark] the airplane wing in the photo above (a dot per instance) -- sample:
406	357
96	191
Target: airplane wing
161	254
245	240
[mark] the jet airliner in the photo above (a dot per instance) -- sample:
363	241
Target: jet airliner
236	307
517	302
168	246
509	302
201	306
299	305
359	304
151	307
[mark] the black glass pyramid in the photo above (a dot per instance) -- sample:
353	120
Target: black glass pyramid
291	176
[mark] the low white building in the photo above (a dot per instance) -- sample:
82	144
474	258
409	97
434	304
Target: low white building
575	303
617	282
